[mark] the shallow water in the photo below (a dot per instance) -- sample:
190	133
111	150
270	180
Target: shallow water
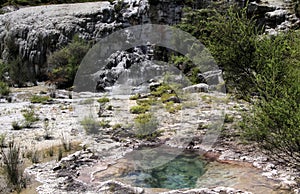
187	170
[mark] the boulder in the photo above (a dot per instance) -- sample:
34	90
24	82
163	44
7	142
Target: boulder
197	88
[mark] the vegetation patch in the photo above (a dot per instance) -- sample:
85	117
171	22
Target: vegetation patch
90	125
146	126
39	99
139	109
4	89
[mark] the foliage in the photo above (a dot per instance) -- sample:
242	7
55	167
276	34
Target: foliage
12	166
4	89
104	123
117	126
145	126
19	72
135	97
231	38
64	63
3	69
90	125
103	100
160	90
39	99
172	108
139	109
30	117
275	117
16	126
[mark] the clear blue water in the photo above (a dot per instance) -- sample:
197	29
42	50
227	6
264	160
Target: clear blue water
181	172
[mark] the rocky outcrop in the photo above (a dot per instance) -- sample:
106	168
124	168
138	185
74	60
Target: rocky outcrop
33	33
274	15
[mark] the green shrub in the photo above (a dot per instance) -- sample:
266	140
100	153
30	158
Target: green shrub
116	126
103	100
231	37
228	118
39	99
12	166
16	126
30	117
135	97
146	126
64	63
104	124
171	107
274	119
159	91
90	125
139	109
4	89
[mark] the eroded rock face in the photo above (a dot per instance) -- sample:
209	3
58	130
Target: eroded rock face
274	15
33	33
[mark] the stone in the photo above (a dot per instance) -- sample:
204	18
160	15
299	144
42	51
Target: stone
174	99
196	88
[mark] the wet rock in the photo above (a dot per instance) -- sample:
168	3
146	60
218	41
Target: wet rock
217	190
118	188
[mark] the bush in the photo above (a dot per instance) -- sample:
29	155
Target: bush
145	126
90	125
12	166
39	99
231	37
30	117
275	116
103	100
172	108
4	89
159	91
64	63
139	109
16	126
135	97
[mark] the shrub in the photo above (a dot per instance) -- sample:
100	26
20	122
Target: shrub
90	125
16	126
103	100
275	116
35	158
64	63
145	126
139	109
159	91
116	126
60	154
228	118
12	166
4	89
104	124
135	97
172	108
30	117
231	38
39	99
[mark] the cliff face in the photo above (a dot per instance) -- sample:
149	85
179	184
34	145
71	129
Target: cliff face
34	32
